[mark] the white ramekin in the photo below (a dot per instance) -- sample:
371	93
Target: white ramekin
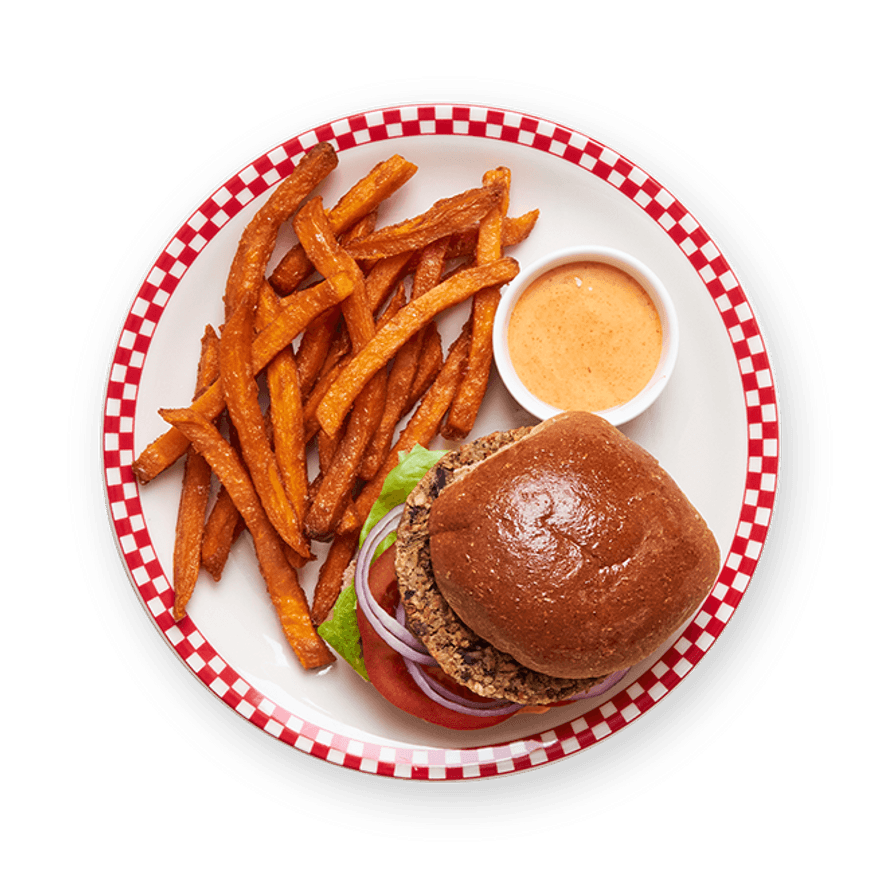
635	268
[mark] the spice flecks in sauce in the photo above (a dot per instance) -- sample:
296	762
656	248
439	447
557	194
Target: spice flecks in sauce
585	336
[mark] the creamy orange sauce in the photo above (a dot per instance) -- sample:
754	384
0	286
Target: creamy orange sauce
585	336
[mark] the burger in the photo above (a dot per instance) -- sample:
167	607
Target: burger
528	568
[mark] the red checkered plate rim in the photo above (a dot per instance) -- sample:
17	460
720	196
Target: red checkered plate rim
362	750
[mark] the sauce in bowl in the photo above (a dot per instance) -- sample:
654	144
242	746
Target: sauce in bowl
586	328
585	336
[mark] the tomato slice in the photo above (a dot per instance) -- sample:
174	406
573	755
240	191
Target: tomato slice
388	673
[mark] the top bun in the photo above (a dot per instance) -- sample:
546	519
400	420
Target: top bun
571	549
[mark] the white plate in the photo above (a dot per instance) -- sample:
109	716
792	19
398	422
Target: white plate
715	428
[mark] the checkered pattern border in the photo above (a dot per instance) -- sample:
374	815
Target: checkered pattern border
761	416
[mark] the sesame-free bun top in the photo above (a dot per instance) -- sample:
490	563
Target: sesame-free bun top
571	549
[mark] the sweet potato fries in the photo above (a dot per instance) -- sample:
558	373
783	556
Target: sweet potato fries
292	446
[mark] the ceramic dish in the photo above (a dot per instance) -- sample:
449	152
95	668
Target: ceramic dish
715	429
649	282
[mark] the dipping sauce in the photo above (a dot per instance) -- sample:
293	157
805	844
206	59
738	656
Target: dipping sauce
585	336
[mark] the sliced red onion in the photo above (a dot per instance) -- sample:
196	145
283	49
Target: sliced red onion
603	686
393	633
445	697
426	659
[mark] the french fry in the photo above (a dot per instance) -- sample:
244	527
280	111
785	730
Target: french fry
338	479
222	528
365	196
224	523
383	276
364	226
446	217
285	409
208	368
310	407
194	493
421	428
298	312
327	447
514	231
281	579
463	411
314	348
329	584
242	403
338	268
393	306
327	256
362	199
408	321
430	362
338	356
379	283
406	363
257	242
424	424
317	356
429	269
341	455
321	335
294	559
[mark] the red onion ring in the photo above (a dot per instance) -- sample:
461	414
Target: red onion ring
445	697
603	686
393	633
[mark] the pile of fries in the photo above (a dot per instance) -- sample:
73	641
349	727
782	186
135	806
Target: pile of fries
360	303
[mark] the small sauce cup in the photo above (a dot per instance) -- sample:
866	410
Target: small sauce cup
650	283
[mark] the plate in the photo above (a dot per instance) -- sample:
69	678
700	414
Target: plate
715	428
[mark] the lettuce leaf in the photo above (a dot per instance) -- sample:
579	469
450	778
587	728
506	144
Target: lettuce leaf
340	630
412	466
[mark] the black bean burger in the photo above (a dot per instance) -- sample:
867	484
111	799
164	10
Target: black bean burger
533	564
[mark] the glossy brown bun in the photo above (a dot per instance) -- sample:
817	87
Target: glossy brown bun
571	549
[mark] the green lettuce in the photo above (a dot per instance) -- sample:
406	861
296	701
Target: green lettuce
340	630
